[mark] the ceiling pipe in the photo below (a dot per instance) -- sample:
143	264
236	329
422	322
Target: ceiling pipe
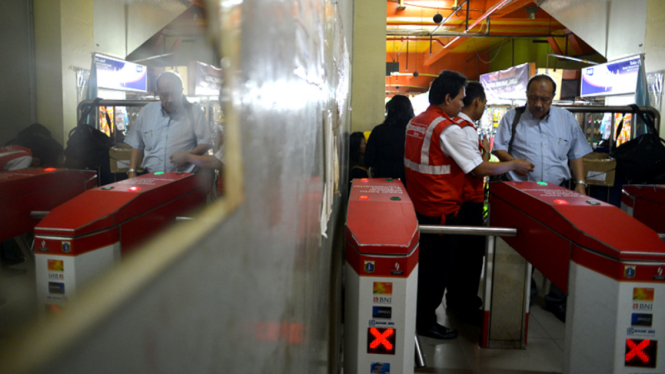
487	14
455	9
414	39
572	59
411	34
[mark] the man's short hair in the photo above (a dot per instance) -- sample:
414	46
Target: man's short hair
169	76
542	77
447	83
474	90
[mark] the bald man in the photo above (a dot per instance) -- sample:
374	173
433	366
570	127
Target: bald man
168	127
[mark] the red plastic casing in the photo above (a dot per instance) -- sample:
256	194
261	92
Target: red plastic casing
594	234
115	212
381	228
25	191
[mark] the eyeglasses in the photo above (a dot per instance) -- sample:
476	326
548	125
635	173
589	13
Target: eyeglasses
539	98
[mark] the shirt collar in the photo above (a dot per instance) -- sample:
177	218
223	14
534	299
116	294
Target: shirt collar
546	119
465	117
165	114
439	111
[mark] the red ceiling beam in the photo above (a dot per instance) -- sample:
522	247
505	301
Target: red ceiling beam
555	46
446	49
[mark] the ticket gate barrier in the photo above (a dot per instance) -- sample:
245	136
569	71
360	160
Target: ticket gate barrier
26	193
32	190
381	278
91	232
610	264
646	203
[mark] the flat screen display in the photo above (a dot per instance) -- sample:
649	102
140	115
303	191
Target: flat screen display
117	74
612	78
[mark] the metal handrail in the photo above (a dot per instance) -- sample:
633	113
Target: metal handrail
467	230
86	103
613	109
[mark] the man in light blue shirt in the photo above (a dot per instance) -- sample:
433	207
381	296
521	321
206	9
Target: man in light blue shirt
169	127
549	137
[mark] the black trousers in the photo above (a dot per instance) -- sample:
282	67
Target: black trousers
436	255
464	280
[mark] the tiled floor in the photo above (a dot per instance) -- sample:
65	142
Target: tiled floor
544	353
18	300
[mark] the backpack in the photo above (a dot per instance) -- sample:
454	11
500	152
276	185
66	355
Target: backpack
88	148
38	139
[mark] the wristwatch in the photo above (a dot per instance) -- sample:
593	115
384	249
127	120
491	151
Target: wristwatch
131	171
582	183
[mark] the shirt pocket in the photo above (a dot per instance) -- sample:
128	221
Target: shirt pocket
150	140
562	147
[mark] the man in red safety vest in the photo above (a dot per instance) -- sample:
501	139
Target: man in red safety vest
437	157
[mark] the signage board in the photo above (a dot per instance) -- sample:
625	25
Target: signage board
612	78
116	74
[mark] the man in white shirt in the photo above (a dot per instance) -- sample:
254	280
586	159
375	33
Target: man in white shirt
163	129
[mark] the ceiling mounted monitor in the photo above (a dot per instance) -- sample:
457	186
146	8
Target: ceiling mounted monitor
612	78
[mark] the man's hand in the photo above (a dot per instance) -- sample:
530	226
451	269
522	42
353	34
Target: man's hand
486	143
180	158
581	189
522	166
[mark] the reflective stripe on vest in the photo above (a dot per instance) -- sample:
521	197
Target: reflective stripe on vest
427	169
424	151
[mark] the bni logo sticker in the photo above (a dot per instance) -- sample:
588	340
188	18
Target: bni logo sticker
369	266
629	271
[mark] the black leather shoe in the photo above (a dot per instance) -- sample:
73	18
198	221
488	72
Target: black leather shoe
559	311
437	331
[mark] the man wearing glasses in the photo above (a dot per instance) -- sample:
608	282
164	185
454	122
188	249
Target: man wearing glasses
550	137
553	141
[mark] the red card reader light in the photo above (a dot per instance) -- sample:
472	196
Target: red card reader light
134	189
381	341
641	353
50	169
560	202
364	180
363	197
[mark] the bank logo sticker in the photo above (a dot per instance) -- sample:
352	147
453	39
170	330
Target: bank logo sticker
66	247
56	288
56	265
641	319
56	276
369	266
643	294
385	312
659	274
640	331
383	288
629	271
643	306
380	368
382	300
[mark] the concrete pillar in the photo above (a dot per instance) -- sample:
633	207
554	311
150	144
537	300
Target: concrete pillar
64	38
369	64
654	47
